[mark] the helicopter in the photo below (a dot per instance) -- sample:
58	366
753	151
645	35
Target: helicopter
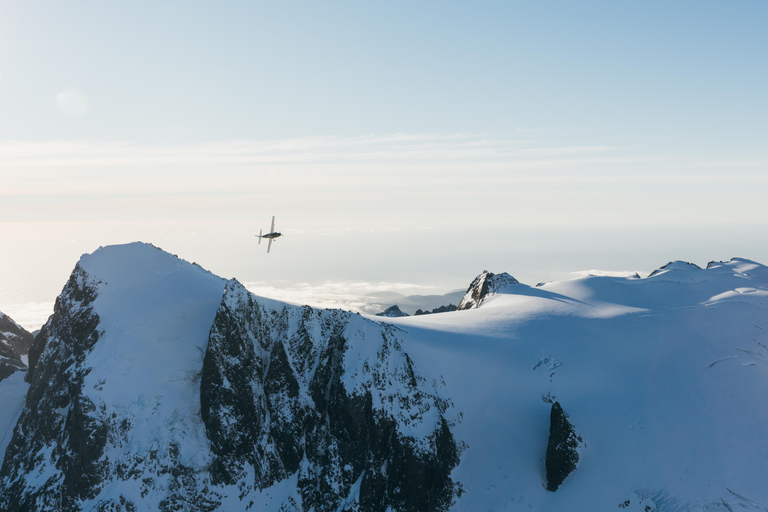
271	235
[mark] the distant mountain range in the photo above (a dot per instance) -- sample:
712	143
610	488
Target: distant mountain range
157	385
409	304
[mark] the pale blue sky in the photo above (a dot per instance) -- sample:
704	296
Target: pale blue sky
400	142
674	76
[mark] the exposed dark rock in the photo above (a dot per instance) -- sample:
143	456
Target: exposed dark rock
14	344
562	450
673	265
441	309
718	263
392	311
483	286
276	402
64	435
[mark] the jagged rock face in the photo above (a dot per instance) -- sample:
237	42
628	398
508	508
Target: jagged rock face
484	285
326	398
56	434
14	344
562	450
440	309
392	312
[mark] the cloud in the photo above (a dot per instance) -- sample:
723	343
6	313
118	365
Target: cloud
529	181
414	158
359	297
308	150
606	273
30	315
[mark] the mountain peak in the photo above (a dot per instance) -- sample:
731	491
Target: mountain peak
677	265
484	285
118	263
392	311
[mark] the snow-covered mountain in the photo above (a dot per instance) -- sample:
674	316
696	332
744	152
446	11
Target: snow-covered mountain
483	287
159	386
380	301
392	311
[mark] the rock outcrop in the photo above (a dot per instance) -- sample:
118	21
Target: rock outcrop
15	342
328	398
392	312
484	286
677	265
563	448
57	434
440	309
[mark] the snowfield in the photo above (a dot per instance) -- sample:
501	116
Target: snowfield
663	377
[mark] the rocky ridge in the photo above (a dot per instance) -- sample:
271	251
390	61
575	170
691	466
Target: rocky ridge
392	312
484	286
15	342
328	398
562	449
440	309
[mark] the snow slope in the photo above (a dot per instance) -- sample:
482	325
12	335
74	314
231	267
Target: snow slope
664	377
13	391
155	313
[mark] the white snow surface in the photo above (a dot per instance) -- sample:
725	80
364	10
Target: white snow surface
155	313
665	378
13	392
